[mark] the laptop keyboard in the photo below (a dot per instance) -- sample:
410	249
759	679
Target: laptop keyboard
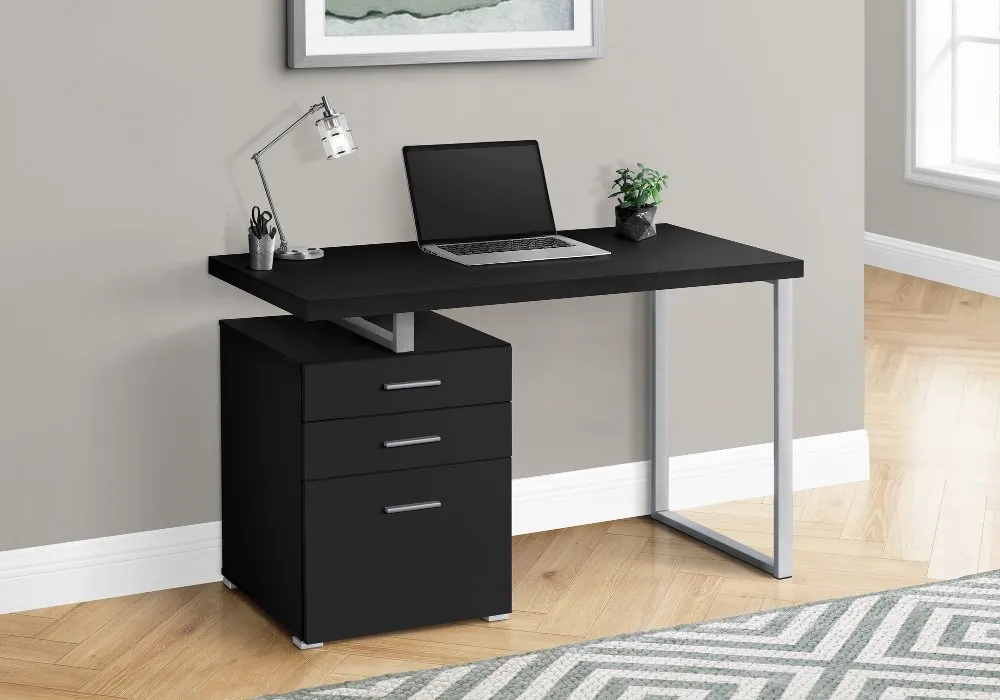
507	246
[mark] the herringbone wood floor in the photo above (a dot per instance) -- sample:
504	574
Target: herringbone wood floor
931	510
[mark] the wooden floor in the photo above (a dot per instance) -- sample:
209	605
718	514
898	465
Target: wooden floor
930	511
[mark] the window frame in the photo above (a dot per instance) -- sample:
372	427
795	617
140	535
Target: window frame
959	174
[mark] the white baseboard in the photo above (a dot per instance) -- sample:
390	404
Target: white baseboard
107	567
622	491
937	264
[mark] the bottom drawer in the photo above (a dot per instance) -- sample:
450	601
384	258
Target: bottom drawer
406	549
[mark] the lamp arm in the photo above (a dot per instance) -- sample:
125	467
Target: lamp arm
312	110
274	212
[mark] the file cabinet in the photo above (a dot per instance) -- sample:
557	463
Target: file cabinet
365	491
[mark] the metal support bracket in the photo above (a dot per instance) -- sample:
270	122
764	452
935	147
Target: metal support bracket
780	565
395	331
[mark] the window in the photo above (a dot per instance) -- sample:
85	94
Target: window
954	94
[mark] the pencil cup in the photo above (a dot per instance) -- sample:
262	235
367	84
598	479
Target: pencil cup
261	252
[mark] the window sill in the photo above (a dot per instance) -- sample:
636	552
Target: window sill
957	178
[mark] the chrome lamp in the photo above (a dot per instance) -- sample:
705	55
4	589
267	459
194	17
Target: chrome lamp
337	142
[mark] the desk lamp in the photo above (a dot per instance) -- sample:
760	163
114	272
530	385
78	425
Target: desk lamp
337	141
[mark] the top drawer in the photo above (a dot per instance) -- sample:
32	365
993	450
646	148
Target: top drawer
402	383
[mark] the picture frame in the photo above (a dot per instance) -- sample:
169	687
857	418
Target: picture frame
319	38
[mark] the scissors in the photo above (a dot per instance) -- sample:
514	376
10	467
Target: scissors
259	221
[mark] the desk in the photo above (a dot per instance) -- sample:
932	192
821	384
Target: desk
389	282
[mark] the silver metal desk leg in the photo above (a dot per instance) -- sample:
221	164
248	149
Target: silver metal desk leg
660	472
780	565
783	488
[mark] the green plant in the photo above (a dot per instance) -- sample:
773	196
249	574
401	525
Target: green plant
639	188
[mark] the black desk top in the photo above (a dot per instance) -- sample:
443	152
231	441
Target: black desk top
397	277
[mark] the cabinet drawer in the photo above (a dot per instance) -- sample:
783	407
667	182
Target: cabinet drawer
441	553
400	383
406	441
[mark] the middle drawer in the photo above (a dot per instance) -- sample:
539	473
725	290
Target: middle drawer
368	445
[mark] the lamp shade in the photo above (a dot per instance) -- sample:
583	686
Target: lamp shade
336	134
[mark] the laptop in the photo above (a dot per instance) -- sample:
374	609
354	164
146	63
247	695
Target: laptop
485	204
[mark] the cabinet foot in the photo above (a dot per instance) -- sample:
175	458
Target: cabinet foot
303	646
497	618
228	584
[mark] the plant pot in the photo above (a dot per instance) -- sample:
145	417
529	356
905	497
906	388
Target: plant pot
636	224
261	252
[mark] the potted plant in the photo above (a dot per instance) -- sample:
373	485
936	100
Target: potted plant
638	192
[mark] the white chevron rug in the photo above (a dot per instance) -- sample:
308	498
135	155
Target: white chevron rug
939	641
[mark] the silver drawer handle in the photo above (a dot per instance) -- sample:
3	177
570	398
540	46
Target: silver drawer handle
412	507
389	444
412	385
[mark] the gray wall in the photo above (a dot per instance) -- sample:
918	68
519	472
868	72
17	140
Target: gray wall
942	218
128	129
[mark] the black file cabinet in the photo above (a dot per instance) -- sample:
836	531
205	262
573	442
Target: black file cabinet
365	491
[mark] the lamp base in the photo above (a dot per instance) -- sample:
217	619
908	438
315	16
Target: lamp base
299	252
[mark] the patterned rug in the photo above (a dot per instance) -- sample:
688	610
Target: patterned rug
936	641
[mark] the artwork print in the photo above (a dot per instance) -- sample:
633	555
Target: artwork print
393	17
332	33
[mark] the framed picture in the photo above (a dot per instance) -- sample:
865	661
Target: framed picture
327	33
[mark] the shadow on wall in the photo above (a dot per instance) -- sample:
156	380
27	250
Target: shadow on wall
165	399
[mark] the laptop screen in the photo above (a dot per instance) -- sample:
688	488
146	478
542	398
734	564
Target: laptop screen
472	191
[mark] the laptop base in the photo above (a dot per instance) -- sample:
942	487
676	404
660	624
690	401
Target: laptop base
574	249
